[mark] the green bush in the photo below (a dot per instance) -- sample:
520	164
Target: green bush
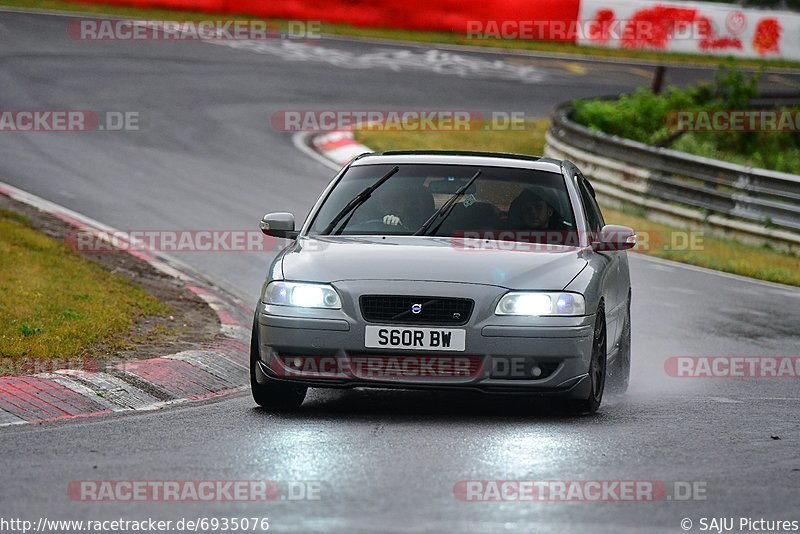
643	116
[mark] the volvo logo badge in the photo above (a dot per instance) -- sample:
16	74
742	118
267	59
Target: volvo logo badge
416	308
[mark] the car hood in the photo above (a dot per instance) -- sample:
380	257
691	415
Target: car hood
503	264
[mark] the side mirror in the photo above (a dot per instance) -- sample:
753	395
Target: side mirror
279	225
614	237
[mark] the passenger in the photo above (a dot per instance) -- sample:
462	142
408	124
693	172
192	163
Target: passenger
529	211
536	220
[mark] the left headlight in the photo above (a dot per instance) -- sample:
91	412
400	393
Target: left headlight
302	295
536	303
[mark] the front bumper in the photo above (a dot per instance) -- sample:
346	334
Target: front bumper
325	348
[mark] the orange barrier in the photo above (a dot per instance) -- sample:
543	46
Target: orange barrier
430	15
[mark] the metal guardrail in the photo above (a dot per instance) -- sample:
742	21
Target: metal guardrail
759	197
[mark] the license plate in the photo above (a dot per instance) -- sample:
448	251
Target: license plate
400	337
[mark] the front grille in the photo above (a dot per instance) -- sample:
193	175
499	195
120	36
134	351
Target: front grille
398	309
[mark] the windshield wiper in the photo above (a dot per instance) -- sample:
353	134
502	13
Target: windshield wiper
447	207
358	200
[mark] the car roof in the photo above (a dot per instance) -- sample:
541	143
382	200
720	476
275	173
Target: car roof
453	157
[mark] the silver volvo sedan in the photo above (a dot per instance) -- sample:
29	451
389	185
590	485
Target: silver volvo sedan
482	271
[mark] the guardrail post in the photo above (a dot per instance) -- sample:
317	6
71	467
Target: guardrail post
658	79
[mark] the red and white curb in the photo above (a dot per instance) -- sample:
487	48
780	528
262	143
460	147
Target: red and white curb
333	149
217	368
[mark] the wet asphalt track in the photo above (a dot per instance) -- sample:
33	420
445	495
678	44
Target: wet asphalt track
207	157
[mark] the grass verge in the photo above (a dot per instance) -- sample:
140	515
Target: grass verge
528	140
54	303
346	30
656	239
726	255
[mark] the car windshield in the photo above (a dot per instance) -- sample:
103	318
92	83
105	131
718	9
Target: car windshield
502	203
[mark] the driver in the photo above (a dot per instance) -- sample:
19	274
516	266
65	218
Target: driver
408	207
529	211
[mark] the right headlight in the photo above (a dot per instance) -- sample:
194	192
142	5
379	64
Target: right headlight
535	303
302	295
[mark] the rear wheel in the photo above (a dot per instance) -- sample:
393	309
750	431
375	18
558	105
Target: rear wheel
271	393
620	369
597	368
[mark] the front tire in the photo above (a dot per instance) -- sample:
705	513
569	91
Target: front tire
271	393
597	368
620	369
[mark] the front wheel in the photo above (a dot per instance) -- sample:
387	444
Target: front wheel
597	368
620	369
271	393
